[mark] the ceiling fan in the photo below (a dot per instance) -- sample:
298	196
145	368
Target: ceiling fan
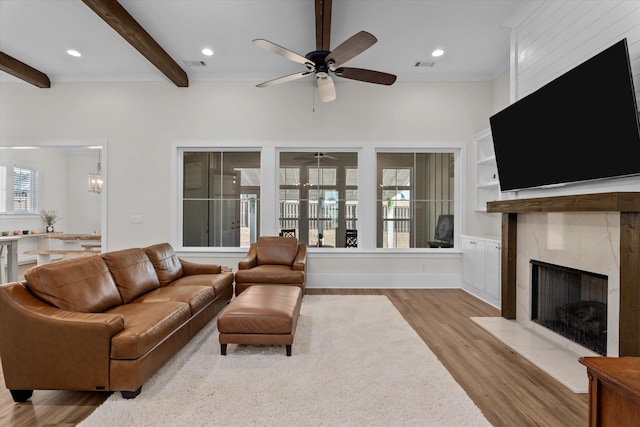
313	158
323	61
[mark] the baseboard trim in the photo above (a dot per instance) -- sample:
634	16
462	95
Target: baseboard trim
384	281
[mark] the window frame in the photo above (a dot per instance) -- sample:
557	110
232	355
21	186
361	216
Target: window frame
367	223
320	186
215	199
459	157
9	189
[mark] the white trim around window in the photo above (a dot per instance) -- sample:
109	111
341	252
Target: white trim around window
269	155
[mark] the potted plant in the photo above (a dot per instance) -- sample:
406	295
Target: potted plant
49	216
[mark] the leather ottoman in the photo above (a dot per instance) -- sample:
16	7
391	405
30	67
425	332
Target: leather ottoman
262	314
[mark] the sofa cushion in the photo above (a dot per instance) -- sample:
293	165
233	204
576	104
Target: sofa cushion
165	261
198	297
80	284
132	271
276	250
219	282
146	326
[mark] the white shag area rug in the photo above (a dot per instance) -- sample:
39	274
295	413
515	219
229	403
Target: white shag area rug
355	362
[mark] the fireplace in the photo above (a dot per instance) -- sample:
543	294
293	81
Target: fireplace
594	232
571	303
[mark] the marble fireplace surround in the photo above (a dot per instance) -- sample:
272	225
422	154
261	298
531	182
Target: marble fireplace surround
593	232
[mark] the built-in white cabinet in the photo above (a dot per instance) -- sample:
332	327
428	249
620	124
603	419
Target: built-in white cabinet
481	259
487	184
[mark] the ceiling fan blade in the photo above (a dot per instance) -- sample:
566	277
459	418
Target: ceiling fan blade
326	87
272	47
284	79
350	48
369	76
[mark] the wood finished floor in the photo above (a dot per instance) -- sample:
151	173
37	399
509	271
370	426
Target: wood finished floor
508	389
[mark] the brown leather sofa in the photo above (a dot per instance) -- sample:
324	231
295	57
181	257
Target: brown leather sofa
273	260
104	322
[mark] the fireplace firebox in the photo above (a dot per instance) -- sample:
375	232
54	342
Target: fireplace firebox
571	302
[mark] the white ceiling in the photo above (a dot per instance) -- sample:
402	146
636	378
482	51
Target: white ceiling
472	33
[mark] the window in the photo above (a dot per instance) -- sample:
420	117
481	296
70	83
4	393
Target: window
318	196
415	200
220	198
18	189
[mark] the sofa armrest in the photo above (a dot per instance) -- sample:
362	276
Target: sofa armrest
300	261
250	260
191	268
43	347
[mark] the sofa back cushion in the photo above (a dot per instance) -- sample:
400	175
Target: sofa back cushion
166	262
274	250
80	284
132	271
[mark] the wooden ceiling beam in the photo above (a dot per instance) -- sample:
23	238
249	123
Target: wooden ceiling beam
323	24
124	24
19	69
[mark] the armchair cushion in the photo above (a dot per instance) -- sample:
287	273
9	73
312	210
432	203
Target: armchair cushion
276	250
280	274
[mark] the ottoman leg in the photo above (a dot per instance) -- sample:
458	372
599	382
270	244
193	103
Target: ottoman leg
223	349
288	349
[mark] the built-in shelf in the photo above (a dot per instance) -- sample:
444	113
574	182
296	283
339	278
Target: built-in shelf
486	171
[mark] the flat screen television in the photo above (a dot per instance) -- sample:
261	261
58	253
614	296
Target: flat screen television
582	126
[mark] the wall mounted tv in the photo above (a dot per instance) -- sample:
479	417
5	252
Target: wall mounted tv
582	126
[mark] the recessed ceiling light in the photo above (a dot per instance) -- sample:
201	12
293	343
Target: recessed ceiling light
207	51
74	53
437	52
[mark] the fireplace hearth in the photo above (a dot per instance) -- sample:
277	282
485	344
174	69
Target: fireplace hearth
572	303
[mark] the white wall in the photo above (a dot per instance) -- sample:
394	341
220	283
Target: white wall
141	120
500	96
83	208
557	36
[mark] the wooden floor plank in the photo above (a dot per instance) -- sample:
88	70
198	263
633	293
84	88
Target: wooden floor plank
508	389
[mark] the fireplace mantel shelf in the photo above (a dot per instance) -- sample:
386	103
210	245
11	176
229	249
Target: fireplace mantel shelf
628	206
600	202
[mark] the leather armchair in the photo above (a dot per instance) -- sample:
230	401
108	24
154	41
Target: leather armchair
273	260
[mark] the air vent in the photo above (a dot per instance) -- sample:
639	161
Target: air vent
194	64
424	64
